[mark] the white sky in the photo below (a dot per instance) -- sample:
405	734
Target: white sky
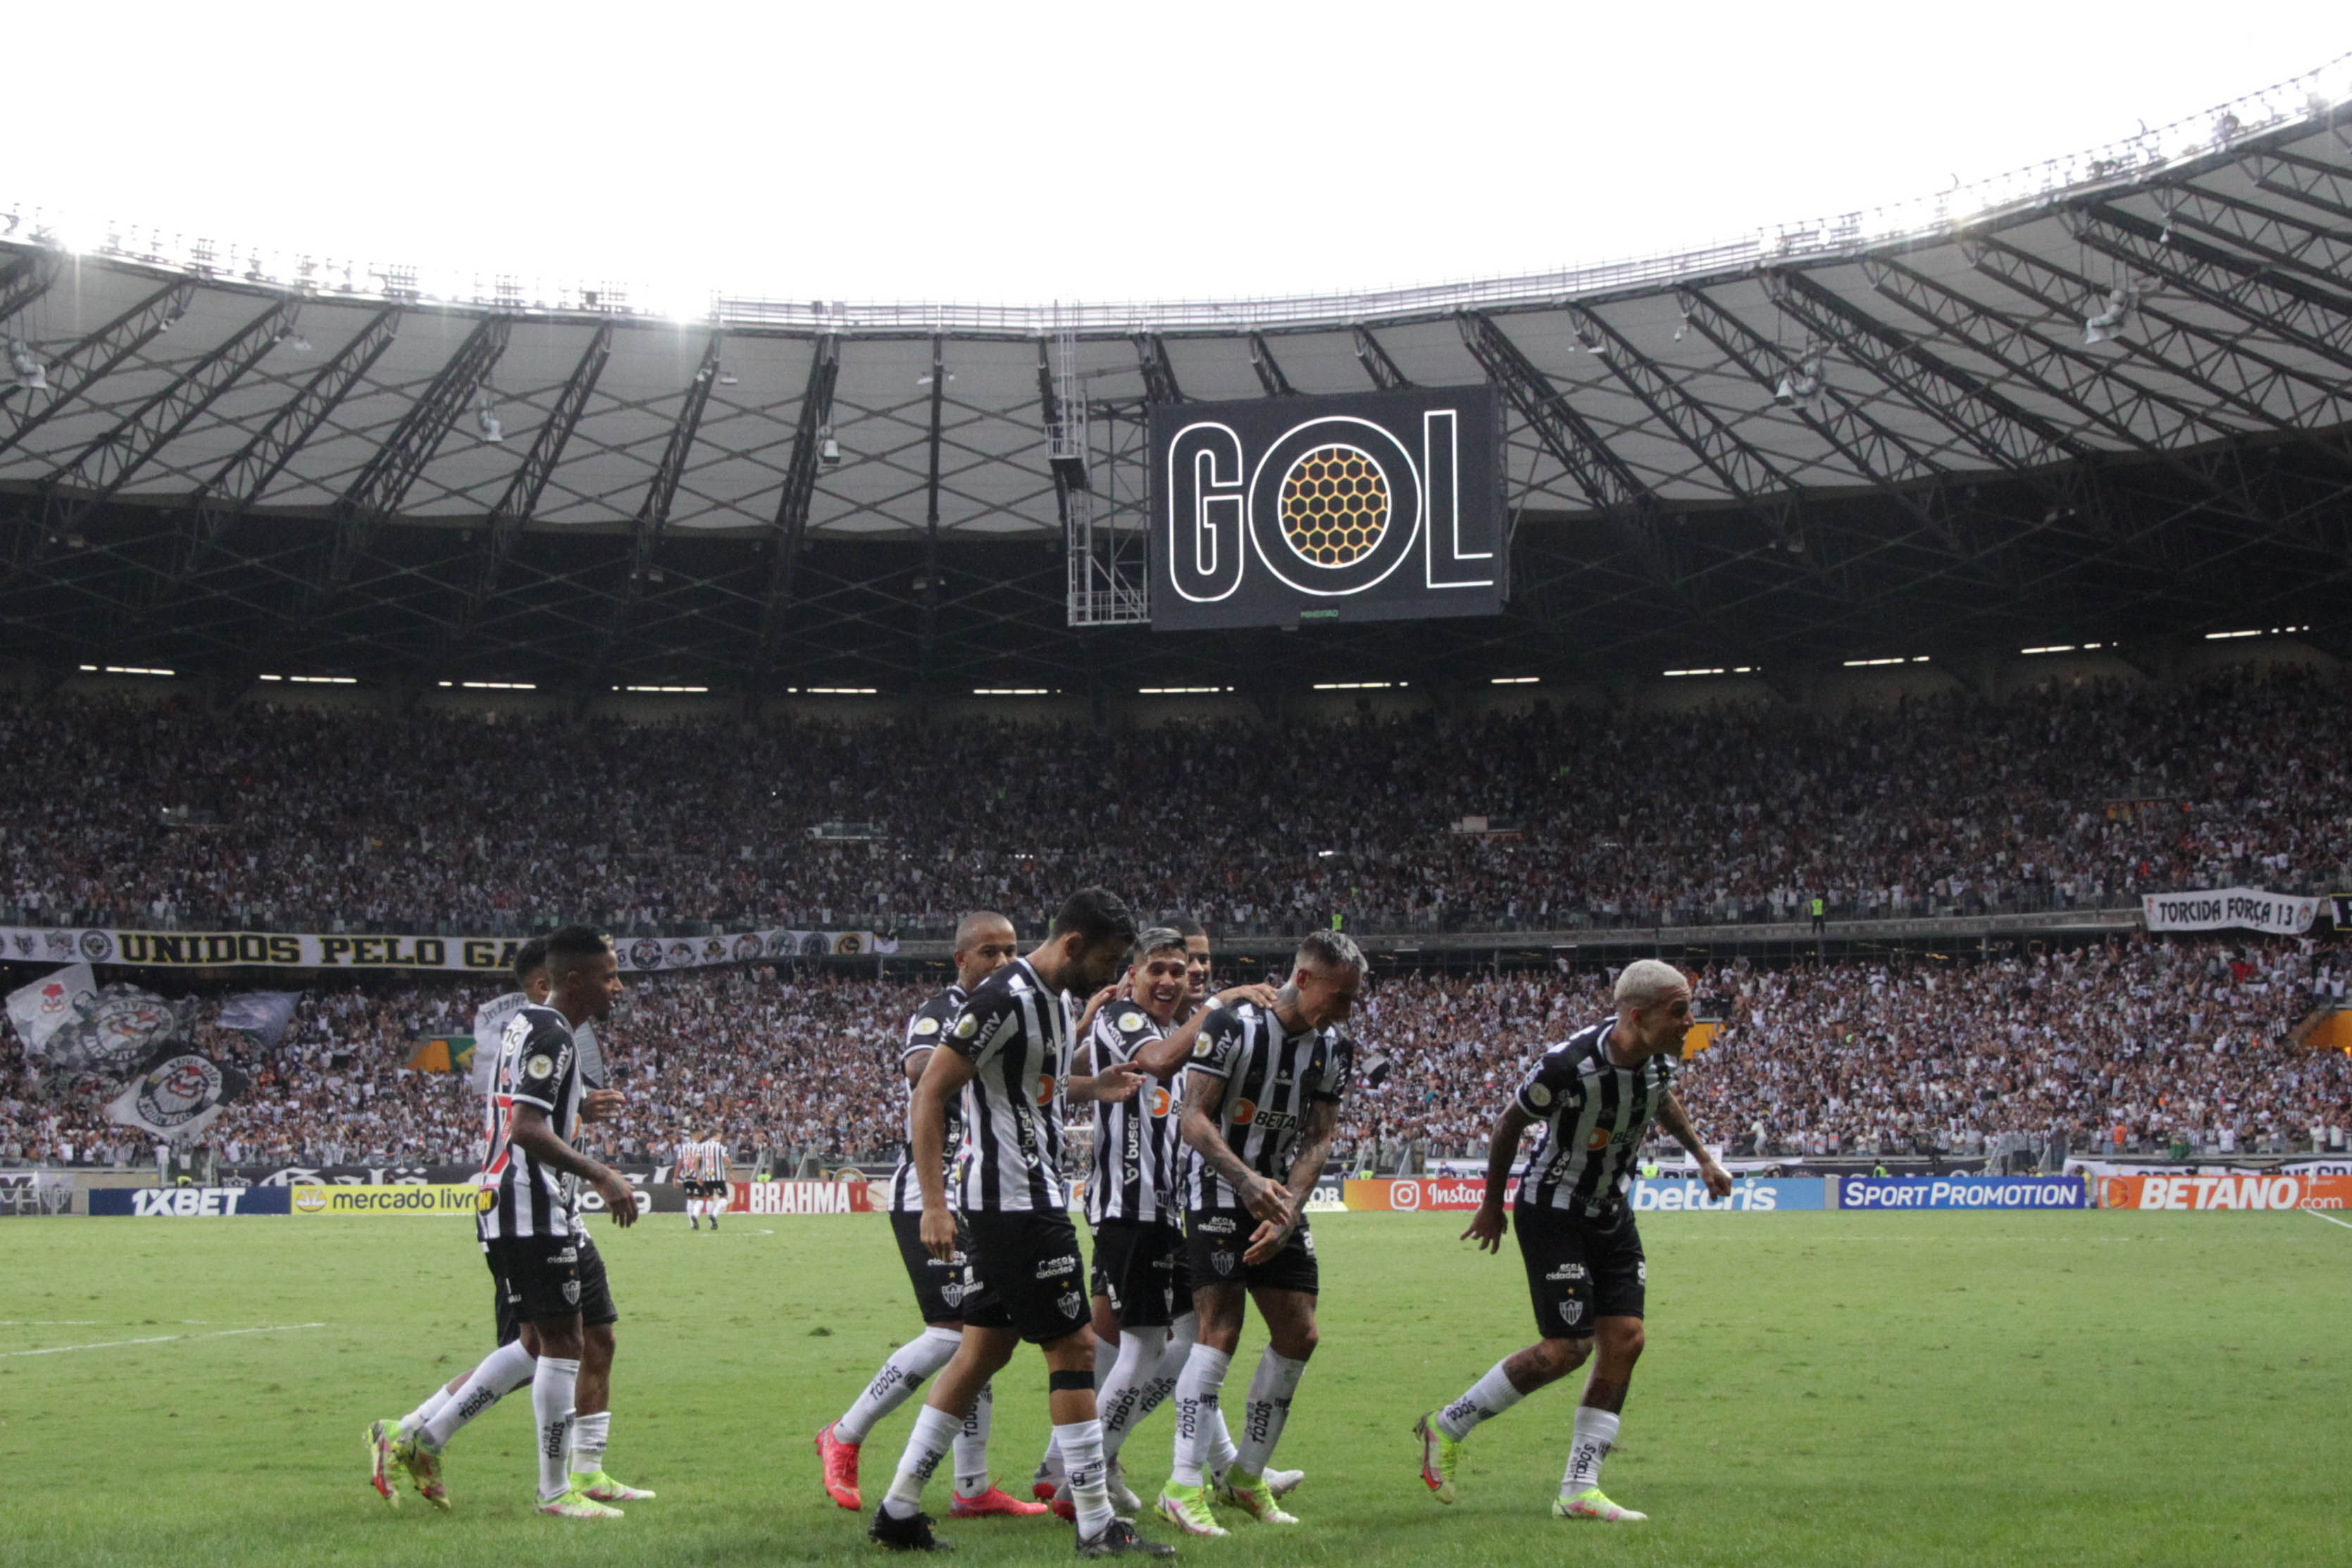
1103	152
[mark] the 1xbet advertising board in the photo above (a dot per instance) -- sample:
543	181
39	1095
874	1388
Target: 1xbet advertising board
188	1203
1378	506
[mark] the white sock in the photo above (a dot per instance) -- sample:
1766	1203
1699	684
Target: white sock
1081	1446
897	1382
1196	1411
1271	1387
1121	1399
1596	1434
500	1373
934	1433
588	1435
1485	1399
414	1422
554	1388
972	1446
1221	1450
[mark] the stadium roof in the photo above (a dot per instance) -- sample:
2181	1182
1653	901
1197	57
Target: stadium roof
2106	398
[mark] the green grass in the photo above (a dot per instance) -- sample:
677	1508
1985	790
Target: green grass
2072	1389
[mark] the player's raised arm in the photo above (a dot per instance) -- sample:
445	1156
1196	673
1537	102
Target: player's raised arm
1163	1057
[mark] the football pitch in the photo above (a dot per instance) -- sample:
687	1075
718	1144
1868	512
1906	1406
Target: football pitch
1948	1388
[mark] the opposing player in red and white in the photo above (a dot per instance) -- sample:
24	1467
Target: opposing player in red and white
1594	1095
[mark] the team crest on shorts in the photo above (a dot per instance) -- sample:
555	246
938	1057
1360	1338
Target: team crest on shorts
572	1292
1572	1312
1222	1261
1071	1303
951	1292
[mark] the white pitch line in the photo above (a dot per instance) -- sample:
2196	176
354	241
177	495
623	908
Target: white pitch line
162	1339
2329	1218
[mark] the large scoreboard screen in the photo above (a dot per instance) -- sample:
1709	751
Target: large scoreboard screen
1379	505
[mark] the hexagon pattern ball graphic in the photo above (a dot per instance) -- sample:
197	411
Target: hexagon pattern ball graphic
1334	505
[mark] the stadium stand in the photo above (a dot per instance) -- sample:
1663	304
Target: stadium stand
2061	796
2154	1041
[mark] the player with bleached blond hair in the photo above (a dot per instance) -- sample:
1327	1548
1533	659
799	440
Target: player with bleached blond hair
1594	1095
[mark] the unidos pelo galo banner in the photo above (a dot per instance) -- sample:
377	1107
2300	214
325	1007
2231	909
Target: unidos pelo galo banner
2235	1192
464	954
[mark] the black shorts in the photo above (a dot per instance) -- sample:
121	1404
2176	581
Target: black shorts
540	1277
1135	1268
1214	1241
1580	1267
1030	1264
944	1292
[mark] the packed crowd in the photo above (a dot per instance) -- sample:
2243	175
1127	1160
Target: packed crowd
2154	1042
2068	795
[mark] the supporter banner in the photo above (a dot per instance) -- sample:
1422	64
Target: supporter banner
1651	1195
187	1203
2230	909
41	1009
468	954
2340	911
263	1015
799	1197
408	1200
24	1194
2224	1192
179	1095
1963	1192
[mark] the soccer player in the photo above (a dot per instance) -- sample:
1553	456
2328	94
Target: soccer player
702	1173
1262	1093
415	1443
985	943
1594	1095
1008	1055
538	1244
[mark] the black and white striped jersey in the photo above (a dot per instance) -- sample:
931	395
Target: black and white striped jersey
1134	1171
923	1031
1271	1076
1016	1031
702	1160
539	1064
1594	1115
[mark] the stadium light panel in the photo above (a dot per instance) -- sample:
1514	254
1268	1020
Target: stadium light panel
2256	632
1514	679
661	689
1011	691
1727	669
124	669
1359	684
834	690
1179	690
498	685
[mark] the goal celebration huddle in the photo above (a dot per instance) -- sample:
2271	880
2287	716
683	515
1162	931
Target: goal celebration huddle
1213	1118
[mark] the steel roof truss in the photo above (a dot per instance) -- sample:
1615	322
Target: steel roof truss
95	357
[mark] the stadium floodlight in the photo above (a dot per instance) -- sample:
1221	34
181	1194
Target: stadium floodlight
1804	384
829	450
31	375
493	430
2104	326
